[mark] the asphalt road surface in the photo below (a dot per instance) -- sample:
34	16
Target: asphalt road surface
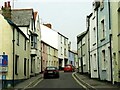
64	81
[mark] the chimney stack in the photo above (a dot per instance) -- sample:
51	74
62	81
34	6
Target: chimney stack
6	10
5	4
48	25
9	4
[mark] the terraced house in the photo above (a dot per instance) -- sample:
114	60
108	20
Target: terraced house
62	50
104	42
93	29
83	54
18	52
104	35
37	43
24	20
49	46
115	27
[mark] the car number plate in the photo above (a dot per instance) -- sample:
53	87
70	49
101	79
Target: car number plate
50	72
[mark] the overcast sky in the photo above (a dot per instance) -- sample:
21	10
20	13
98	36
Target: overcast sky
66	16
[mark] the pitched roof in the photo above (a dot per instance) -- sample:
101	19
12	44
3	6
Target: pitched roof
22	17
12	24
80	36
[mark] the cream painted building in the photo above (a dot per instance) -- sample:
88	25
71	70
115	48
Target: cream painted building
52	56
15	44
82	49
27	49
49	39
115	27
38	32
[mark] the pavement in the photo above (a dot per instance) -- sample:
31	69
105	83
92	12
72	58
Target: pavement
84	79
95	84
29	82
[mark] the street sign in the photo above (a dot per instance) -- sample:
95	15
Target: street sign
4	60
1	60
3	69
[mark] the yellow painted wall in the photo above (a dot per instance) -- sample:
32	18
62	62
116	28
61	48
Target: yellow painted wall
7	42
115	29
7	47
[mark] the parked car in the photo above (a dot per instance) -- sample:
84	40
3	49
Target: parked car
51	71
69	68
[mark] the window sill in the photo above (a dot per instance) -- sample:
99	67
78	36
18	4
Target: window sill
101	8
104	69
33	48
84	65
94	44
118	35
16	74
102	39
95	70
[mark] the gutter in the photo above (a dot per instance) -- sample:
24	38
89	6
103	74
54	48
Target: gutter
13	53
110	36
97	45
81	59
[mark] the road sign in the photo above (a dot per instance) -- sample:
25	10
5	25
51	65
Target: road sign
3	69
4	60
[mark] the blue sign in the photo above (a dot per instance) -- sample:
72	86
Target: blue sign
4	60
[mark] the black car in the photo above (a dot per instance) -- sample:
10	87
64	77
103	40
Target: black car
51	71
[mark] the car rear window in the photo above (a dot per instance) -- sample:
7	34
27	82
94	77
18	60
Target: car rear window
51	68
68	66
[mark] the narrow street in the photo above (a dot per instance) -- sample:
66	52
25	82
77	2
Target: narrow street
65	81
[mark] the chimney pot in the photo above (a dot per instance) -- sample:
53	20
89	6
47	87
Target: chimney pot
8	3
5	4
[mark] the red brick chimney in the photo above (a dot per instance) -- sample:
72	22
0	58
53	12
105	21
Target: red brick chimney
9	4
5	4
6	10
48	25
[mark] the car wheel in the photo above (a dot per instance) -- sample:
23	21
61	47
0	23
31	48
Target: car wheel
45	77
58	76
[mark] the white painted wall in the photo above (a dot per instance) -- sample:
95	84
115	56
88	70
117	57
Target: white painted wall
49	36
38	57
93	46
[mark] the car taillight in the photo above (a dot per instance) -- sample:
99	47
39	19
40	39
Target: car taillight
45	71
55	70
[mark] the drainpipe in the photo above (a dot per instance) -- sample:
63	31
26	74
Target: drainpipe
110	37
97	44
78	57
89	53
13	53
81	59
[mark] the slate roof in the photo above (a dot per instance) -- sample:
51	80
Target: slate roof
22	17
80	36
12	24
